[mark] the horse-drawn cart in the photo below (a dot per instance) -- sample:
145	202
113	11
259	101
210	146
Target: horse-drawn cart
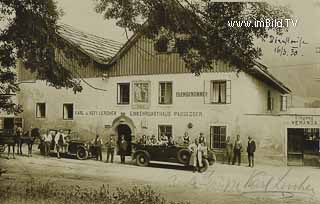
7	139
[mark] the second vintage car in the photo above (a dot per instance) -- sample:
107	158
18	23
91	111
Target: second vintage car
143	154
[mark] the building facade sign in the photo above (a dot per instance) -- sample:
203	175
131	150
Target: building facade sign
92	113
304	120
191	94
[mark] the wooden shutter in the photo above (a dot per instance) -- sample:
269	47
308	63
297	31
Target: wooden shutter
228	92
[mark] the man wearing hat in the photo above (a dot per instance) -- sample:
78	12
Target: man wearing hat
98	147
251	148
111	145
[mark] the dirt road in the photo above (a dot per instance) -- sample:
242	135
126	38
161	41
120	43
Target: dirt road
220	184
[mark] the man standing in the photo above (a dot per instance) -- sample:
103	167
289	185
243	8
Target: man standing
251	148
47	139
111	145
202	139
228	150
98	146
237	150
123	145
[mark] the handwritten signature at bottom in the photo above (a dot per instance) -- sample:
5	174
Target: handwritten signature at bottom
258	184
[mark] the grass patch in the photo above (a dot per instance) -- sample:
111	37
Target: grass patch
51	193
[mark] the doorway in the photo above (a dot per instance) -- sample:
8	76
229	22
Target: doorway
125	130
8	123
303	146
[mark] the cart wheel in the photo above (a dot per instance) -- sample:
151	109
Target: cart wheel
205	165
82	153
142	159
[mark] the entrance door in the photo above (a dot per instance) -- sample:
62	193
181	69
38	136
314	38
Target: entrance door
295	146
8	123
125	130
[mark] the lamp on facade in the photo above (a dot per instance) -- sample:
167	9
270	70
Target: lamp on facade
105	76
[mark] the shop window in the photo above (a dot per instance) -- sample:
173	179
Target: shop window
41	110
269	102
165	93
68	111
141	92
311	136
218	136
123	93
165	129
220	92
284	103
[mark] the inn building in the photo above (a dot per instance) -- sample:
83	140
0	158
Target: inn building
132	89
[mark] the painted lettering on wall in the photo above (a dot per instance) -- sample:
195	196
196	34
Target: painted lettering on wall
95	113
140	113
191	94
304	120
165	114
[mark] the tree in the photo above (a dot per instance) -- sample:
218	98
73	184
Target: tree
199	28
28	33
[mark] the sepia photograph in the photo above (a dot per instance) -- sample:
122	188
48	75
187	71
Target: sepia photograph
159	102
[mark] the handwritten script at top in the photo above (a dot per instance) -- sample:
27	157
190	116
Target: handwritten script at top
287	46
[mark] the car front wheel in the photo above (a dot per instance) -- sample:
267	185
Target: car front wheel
142	159
82	153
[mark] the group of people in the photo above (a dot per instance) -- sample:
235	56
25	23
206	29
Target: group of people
198	149
234	149
59	140
163	140
111	146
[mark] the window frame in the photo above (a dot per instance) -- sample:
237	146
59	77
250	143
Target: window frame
212	141
227	91
45	110
63	113
119	92
165	125
159	94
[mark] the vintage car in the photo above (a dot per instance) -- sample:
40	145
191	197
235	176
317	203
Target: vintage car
81	149
143	154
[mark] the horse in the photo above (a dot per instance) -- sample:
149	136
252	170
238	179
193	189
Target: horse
28	138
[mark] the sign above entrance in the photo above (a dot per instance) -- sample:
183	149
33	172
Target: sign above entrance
304	120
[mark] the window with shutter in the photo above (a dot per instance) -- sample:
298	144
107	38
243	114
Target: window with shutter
220	92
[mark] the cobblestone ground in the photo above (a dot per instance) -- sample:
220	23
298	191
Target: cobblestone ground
221	184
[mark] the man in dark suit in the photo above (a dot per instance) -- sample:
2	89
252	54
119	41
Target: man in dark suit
251	148
123	145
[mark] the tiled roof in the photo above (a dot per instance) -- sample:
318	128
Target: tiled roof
99	49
